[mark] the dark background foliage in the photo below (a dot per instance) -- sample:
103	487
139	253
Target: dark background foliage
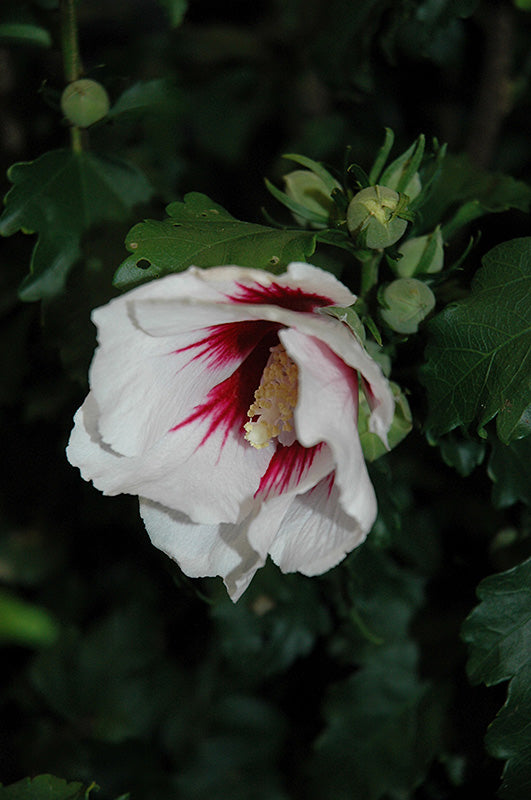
120	670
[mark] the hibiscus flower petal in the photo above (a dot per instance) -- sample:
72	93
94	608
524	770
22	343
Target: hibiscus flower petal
315	533
203	550
327	411
209	479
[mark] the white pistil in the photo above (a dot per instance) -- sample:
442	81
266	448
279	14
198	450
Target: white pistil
274	402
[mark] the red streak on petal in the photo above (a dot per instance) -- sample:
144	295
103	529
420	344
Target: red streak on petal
282	296
229	342
288	466
226	404
328	480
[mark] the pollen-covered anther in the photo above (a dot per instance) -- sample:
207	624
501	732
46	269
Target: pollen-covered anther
271	414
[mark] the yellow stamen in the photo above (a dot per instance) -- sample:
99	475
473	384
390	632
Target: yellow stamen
274	402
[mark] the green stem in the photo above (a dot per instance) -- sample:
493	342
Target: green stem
71	59
369	273
69	41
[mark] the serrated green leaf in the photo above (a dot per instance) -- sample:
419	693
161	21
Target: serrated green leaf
508	738
60	196
509	468
45	787
200	232
498	632
478	359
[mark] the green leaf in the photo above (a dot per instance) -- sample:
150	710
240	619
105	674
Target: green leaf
25	623
478	359
45	787
143	96
466	192
18	25
461	453
198	231
383	729
60	196
176	9
112	681
24	33
277	622
498	632
509	470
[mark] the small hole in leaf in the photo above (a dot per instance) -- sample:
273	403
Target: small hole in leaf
274	260
176	224
143	263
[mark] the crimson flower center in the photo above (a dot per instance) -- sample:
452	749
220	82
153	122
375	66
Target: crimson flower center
271	413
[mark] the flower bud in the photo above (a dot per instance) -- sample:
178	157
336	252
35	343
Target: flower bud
420	255
371	444
84	102
396	171
405	303
372	217
308	189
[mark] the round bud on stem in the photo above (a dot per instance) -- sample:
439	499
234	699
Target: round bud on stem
422	254
84	102
405	303
373	217
308	189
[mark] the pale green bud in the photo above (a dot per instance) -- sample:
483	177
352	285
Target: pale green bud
308	189
371	444
372	217
420	255
395	172
405	303
84	102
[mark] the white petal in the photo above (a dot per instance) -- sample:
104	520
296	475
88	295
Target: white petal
327	411
211	482
203	550
315	534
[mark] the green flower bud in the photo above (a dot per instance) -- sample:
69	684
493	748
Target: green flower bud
84	102
372	217
371	444
310	191
396	172
405	303
420	255
413	186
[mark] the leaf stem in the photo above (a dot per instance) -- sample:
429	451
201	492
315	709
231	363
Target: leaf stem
71	58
